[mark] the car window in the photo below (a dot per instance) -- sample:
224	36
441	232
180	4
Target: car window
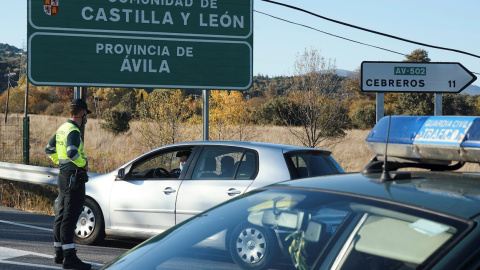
301	229
390	240
311	163
164	164
217	162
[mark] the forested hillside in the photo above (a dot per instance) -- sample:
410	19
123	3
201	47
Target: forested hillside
10	58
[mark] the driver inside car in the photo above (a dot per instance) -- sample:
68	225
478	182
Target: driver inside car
183	158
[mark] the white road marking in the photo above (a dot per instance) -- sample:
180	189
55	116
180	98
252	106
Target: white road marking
31	265
8	253
28	226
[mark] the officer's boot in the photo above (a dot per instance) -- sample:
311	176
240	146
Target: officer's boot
71	260
58	255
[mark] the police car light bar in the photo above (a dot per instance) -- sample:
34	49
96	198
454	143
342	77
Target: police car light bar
428	138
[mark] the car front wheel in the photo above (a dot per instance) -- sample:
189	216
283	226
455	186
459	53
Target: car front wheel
90	229
252	247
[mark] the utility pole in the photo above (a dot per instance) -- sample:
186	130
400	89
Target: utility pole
26	119
8	95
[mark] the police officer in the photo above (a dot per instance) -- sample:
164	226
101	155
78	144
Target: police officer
65	148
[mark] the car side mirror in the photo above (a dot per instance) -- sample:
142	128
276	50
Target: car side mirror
121	173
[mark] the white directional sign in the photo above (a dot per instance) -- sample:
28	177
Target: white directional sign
415	77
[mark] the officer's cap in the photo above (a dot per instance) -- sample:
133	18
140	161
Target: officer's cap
80	103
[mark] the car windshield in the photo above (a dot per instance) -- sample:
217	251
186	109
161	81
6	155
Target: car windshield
299	229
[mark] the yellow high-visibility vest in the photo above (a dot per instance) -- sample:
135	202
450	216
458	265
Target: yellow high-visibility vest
80	160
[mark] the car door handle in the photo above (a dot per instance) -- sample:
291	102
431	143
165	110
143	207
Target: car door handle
169	190
233	191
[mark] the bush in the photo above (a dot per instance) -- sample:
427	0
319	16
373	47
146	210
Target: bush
272	112
56	109
116	121
364	117
39	107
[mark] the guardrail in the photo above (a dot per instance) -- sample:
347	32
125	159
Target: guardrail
28	173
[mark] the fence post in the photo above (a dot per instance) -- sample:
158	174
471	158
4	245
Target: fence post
26	140
26	131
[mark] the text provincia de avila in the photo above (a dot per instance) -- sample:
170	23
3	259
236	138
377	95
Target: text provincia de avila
155	17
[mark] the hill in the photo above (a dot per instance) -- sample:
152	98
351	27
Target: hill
472	90
10	58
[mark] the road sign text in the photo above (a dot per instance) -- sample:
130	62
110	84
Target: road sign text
410	71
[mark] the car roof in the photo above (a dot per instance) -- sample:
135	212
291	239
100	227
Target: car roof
455	194
249	144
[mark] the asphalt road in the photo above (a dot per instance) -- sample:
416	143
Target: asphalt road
26	242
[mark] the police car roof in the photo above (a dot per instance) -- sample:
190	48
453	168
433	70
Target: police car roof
451	193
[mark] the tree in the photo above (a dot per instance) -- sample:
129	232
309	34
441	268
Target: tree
314	101
455	104
162	115
415	103
116	121
418	55
65	94
228	115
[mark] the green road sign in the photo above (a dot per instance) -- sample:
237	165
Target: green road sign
116	61
202	44
186	18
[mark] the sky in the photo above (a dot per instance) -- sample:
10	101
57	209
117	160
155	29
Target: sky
277	44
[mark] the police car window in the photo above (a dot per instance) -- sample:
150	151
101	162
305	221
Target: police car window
385	239
357	236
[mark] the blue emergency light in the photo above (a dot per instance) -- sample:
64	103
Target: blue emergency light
428	138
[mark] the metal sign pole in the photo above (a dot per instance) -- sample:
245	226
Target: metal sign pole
81	93
206	95
380	106
438	104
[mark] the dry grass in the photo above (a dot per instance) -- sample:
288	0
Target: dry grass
353	153
107	152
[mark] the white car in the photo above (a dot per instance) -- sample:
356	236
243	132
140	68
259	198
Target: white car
150	194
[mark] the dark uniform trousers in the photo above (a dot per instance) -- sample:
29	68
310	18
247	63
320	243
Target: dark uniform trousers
70	205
